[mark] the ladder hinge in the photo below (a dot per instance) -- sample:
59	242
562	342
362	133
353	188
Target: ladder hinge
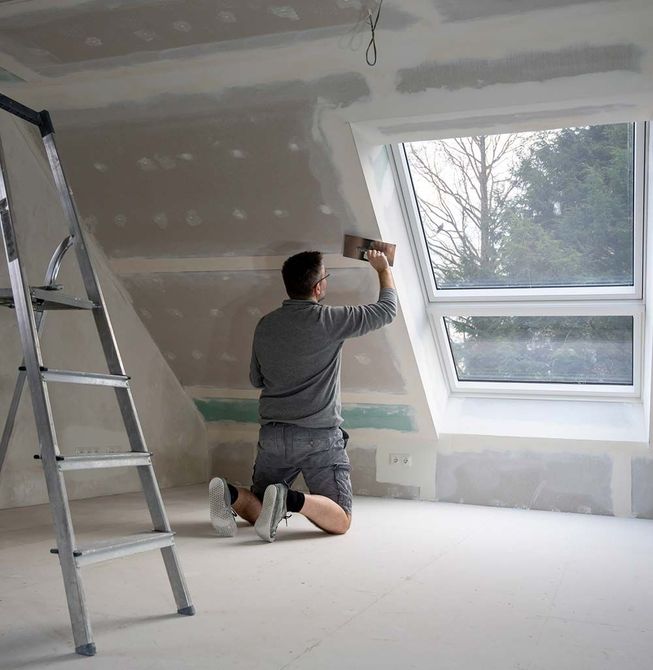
76	552
37	457
42	368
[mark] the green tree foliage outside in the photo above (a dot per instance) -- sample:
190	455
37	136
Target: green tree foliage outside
552	208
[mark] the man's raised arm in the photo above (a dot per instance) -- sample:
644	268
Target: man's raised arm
354	321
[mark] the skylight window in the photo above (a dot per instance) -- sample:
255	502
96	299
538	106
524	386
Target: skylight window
531	246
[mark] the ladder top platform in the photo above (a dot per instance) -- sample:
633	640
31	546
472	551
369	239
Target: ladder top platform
43	298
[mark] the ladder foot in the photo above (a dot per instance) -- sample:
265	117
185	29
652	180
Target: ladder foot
187	611
86	649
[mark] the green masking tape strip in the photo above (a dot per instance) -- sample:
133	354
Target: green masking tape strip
383	417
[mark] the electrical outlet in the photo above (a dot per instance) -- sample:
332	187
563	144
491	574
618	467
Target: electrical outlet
402	460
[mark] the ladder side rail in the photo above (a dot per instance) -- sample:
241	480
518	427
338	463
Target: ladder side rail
50	279
95	294
107	337
48	446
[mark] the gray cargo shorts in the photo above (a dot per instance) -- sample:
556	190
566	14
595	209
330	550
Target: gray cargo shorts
284	450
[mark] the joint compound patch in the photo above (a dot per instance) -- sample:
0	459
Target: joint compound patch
226	17
161	220
520	67
193	218
284	12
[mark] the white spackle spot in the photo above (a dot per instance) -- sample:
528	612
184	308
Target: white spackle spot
284	12
170	356
349	4
197	355
166	162
228	358
255	311
146	164
101	167
226	277
185	157
280	213
93	42
215	312
363	359
193	218
293	146
161	220
238	153
226	17
91	223
145	313
239	214
216	143
173	311
145	35
120	220
182	26
325	209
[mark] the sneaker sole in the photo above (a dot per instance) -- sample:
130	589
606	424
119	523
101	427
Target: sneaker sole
222	519
271	505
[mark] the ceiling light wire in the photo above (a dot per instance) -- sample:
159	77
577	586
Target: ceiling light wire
370	52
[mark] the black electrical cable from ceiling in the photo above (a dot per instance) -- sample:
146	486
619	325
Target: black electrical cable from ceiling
370	52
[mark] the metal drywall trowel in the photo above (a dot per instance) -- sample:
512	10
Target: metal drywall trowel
357	247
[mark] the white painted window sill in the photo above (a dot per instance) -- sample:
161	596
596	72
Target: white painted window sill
546	419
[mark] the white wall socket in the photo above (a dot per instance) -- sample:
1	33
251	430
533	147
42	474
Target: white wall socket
402	460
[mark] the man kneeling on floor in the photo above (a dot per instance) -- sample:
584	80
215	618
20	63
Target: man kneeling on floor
296	362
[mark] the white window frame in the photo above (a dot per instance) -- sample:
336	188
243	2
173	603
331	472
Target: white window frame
546	301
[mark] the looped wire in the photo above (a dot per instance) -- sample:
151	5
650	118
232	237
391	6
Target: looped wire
370	52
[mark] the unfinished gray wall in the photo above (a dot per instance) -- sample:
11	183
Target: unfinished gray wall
207	141
88	420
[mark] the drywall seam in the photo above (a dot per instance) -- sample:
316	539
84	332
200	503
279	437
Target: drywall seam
143	265
350	397
373	416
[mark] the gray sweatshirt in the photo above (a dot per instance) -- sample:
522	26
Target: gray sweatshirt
296	357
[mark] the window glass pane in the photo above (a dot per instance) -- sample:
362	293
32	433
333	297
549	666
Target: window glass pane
534	209
555	349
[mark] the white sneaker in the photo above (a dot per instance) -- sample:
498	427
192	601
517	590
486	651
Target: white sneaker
222	516
273	511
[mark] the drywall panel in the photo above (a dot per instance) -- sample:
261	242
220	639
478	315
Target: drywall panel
564	482
88	420
241	178
204	324
89	32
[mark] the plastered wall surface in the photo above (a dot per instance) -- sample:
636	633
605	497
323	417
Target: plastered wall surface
207	143
87	420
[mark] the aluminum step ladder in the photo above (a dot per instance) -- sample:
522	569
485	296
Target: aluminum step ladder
31	305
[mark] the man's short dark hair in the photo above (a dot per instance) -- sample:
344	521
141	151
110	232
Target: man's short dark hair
300	274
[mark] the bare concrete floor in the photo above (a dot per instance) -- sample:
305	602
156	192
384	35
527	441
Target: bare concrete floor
414	585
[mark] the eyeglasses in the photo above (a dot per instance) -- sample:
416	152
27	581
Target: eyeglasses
321	279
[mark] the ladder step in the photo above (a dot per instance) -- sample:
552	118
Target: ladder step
95	461
106	550
43	298
90	378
